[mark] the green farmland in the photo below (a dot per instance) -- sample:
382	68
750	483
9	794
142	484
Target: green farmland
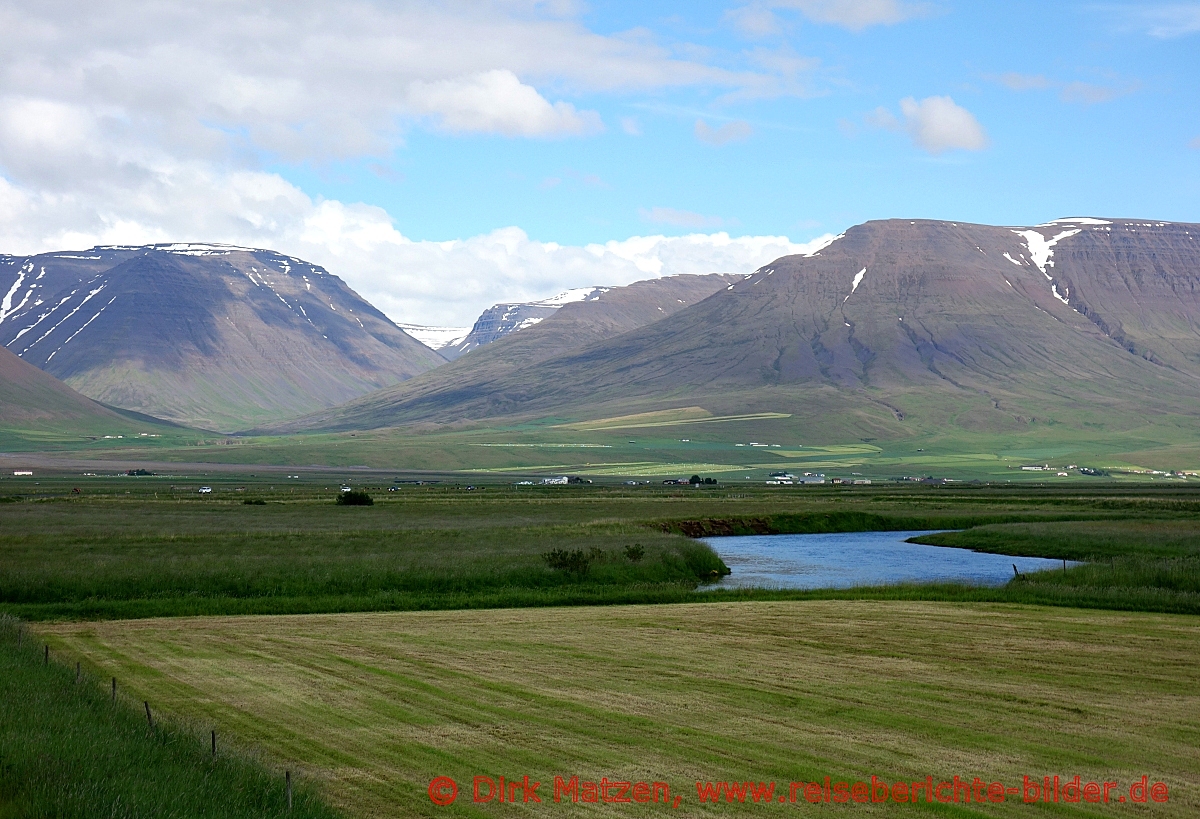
368	649
373	706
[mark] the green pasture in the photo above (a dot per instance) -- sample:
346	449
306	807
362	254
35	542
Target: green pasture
269	543
374	706
68	748
680	441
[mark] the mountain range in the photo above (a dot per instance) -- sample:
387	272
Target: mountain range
212	336
489	374
1081	327
894	326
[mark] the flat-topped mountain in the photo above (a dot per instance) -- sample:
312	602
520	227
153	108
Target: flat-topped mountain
213	336
896	322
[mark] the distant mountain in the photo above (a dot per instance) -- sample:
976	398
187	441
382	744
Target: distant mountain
499	320
487	374
435	338
896	327
208	335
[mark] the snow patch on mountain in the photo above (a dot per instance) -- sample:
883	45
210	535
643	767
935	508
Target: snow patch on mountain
435	338
1041	248
858	277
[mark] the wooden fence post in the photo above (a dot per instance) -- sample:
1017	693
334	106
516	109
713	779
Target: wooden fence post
1016	574
114	690
46	655
78	672
287	780
214	744
149	719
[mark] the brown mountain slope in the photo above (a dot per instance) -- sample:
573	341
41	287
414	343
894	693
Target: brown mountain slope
209	335
32	399
971	325
574	326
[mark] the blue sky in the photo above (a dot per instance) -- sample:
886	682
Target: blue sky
445	155
1087	109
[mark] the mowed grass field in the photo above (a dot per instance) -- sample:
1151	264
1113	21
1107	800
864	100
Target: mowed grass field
373	706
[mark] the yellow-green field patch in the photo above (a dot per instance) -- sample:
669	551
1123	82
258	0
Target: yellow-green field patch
376	705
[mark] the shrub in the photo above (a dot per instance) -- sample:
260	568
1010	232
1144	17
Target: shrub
355	497
575	562
254	502
635	552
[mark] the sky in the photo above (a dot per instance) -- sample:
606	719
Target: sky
444	156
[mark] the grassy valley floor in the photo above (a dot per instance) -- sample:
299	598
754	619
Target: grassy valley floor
375	706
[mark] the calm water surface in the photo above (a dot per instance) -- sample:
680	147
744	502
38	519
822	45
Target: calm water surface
835	561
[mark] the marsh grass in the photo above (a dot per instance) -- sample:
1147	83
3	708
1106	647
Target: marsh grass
68	750
115	555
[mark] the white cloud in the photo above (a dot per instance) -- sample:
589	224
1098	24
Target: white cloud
1084	93
1089	94
883	118
758	19
935	124
1166	20
1023	82
497	102
302	80
423	282
125	123
631	126
734	131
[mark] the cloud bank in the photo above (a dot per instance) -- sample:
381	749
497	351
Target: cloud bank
421	282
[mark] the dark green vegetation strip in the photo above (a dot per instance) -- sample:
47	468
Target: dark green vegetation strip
162	550
68	750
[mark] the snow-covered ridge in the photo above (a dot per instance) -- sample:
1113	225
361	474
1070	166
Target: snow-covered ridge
186	248
570	296
435	338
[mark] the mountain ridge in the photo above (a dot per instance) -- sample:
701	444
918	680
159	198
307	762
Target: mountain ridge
893	322
208	335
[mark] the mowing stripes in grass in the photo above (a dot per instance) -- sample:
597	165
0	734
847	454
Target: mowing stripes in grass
68	749
379	704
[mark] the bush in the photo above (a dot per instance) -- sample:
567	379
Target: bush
355	497
635	552
254	502
575	562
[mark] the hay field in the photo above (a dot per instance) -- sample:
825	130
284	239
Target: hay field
375	705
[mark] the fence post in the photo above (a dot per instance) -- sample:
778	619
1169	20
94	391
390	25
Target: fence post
214	744
78	672
114	690
149	719
1016	574
287	780
46	655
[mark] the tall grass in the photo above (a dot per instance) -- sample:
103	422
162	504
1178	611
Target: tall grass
68	750
136	556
